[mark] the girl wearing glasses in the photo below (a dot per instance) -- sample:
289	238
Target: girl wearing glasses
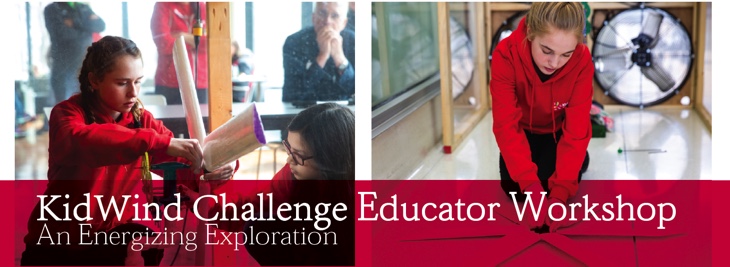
321	144
320	169
541	87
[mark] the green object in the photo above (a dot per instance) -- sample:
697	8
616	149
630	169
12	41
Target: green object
599	131
620	150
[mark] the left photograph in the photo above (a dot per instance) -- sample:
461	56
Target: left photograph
184	133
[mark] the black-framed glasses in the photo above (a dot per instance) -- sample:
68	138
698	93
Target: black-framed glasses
298	158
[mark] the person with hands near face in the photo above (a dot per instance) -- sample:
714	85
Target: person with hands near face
319	60
330	46
97	145
542	87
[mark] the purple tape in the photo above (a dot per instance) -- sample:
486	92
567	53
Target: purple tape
258	127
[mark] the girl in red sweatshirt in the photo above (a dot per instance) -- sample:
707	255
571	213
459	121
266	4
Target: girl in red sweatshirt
97	141
541	87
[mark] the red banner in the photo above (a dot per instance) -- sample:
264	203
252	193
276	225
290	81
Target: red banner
453	223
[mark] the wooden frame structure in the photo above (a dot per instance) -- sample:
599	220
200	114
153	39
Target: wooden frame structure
700	30
459	119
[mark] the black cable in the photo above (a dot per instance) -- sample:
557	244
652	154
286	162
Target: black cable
197	33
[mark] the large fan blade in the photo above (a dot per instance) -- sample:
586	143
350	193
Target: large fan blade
612	64
652	23
659	76
623	50
651	27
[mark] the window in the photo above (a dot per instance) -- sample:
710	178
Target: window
405	48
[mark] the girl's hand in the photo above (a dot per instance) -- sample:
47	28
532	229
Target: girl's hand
185	191
536	189
555	225
188	149
219	176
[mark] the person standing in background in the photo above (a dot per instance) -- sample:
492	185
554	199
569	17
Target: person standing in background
170	20
70	26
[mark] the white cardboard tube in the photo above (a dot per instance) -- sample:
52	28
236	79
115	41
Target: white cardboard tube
193	117
196	129
237	137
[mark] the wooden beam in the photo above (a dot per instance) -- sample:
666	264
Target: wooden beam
447	101
700	31
607	5
698	53
482	58
220	85
504	6
488	33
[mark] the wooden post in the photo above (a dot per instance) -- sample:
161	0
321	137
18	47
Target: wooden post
447	101
699	106
220	85
482	47
220	107
488	35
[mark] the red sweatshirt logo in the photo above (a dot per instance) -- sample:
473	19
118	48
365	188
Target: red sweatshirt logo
557	106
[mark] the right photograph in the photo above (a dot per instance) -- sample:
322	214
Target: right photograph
555	99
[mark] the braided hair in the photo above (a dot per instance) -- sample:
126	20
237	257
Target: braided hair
100	58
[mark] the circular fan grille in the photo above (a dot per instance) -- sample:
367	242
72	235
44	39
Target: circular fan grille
642	56
506	29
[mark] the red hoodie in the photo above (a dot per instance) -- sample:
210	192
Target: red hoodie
520	100
98	158
169	18
284	188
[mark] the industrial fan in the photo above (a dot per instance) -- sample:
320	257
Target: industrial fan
506	29
642	56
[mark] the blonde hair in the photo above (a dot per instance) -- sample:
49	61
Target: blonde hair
565	16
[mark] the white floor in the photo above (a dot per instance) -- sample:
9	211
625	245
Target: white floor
679	133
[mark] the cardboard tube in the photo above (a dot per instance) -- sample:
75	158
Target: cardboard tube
193	117
239	136
196	129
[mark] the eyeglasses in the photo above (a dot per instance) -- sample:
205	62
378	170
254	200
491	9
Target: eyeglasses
298	158
322	14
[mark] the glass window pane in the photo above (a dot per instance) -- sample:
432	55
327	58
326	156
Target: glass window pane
408	53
